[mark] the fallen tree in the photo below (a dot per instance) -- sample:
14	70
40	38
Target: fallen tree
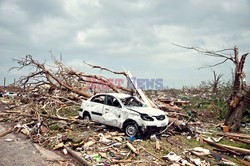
60	77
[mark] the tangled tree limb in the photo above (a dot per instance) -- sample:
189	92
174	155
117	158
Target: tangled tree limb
60	77
239	99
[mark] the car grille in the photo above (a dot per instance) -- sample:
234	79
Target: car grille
160	117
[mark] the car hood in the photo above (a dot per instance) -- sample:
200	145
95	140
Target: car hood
147	110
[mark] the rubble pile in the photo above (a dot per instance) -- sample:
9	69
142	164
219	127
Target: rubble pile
47	114
55	125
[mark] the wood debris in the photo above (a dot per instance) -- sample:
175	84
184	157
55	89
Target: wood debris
58	146
157	145
90	143
6	132
47	112
132	148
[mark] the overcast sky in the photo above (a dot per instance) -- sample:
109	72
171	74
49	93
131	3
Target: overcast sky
135	34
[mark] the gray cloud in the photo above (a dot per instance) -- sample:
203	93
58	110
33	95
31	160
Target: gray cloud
134	34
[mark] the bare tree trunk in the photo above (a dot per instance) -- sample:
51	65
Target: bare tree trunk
234	115
216	82
238	101
239	98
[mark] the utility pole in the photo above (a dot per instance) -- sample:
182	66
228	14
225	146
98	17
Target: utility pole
4	83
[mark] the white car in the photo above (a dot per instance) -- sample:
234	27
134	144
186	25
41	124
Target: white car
123	111
10	94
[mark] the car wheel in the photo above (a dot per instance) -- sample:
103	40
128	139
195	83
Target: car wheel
131	129
86	117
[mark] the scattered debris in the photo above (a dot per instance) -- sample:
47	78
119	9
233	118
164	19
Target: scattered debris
58	146
247	163
76	156
48	114
131	147
200	151
212	139
172	157
157	145
232	149
65	151
103	139
6	132
8	139
90	143
247	158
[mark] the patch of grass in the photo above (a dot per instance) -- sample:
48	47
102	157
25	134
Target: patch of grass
235	160
76	136
222	108
51	144
246	115
54	127
233	143
69	111
189	143
53	112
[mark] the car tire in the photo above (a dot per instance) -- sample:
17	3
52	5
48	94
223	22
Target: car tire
86	116
131	129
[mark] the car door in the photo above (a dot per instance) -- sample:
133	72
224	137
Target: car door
95	108
112	111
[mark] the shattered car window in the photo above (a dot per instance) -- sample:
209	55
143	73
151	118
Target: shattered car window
132	102
98	99
112	101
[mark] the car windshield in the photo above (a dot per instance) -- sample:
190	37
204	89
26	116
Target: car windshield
132	102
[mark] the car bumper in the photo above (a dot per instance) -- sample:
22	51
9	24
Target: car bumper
153	129
154	125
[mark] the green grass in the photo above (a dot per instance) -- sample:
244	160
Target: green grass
54	126
69	111
234	143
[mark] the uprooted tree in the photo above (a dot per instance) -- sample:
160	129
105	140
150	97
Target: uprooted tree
61	77
64	79
239	99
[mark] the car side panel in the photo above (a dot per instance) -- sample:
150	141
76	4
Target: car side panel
95	110
127	114
112	115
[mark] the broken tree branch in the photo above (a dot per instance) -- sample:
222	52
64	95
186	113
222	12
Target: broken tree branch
106	69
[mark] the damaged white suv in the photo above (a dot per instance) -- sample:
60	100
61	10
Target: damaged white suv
123	111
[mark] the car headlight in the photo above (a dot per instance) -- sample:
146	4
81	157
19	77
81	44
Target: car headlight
146	117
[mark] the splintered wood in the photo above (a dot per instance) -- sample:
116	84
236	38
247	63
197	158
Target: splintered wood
6	132
157	144
132	148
